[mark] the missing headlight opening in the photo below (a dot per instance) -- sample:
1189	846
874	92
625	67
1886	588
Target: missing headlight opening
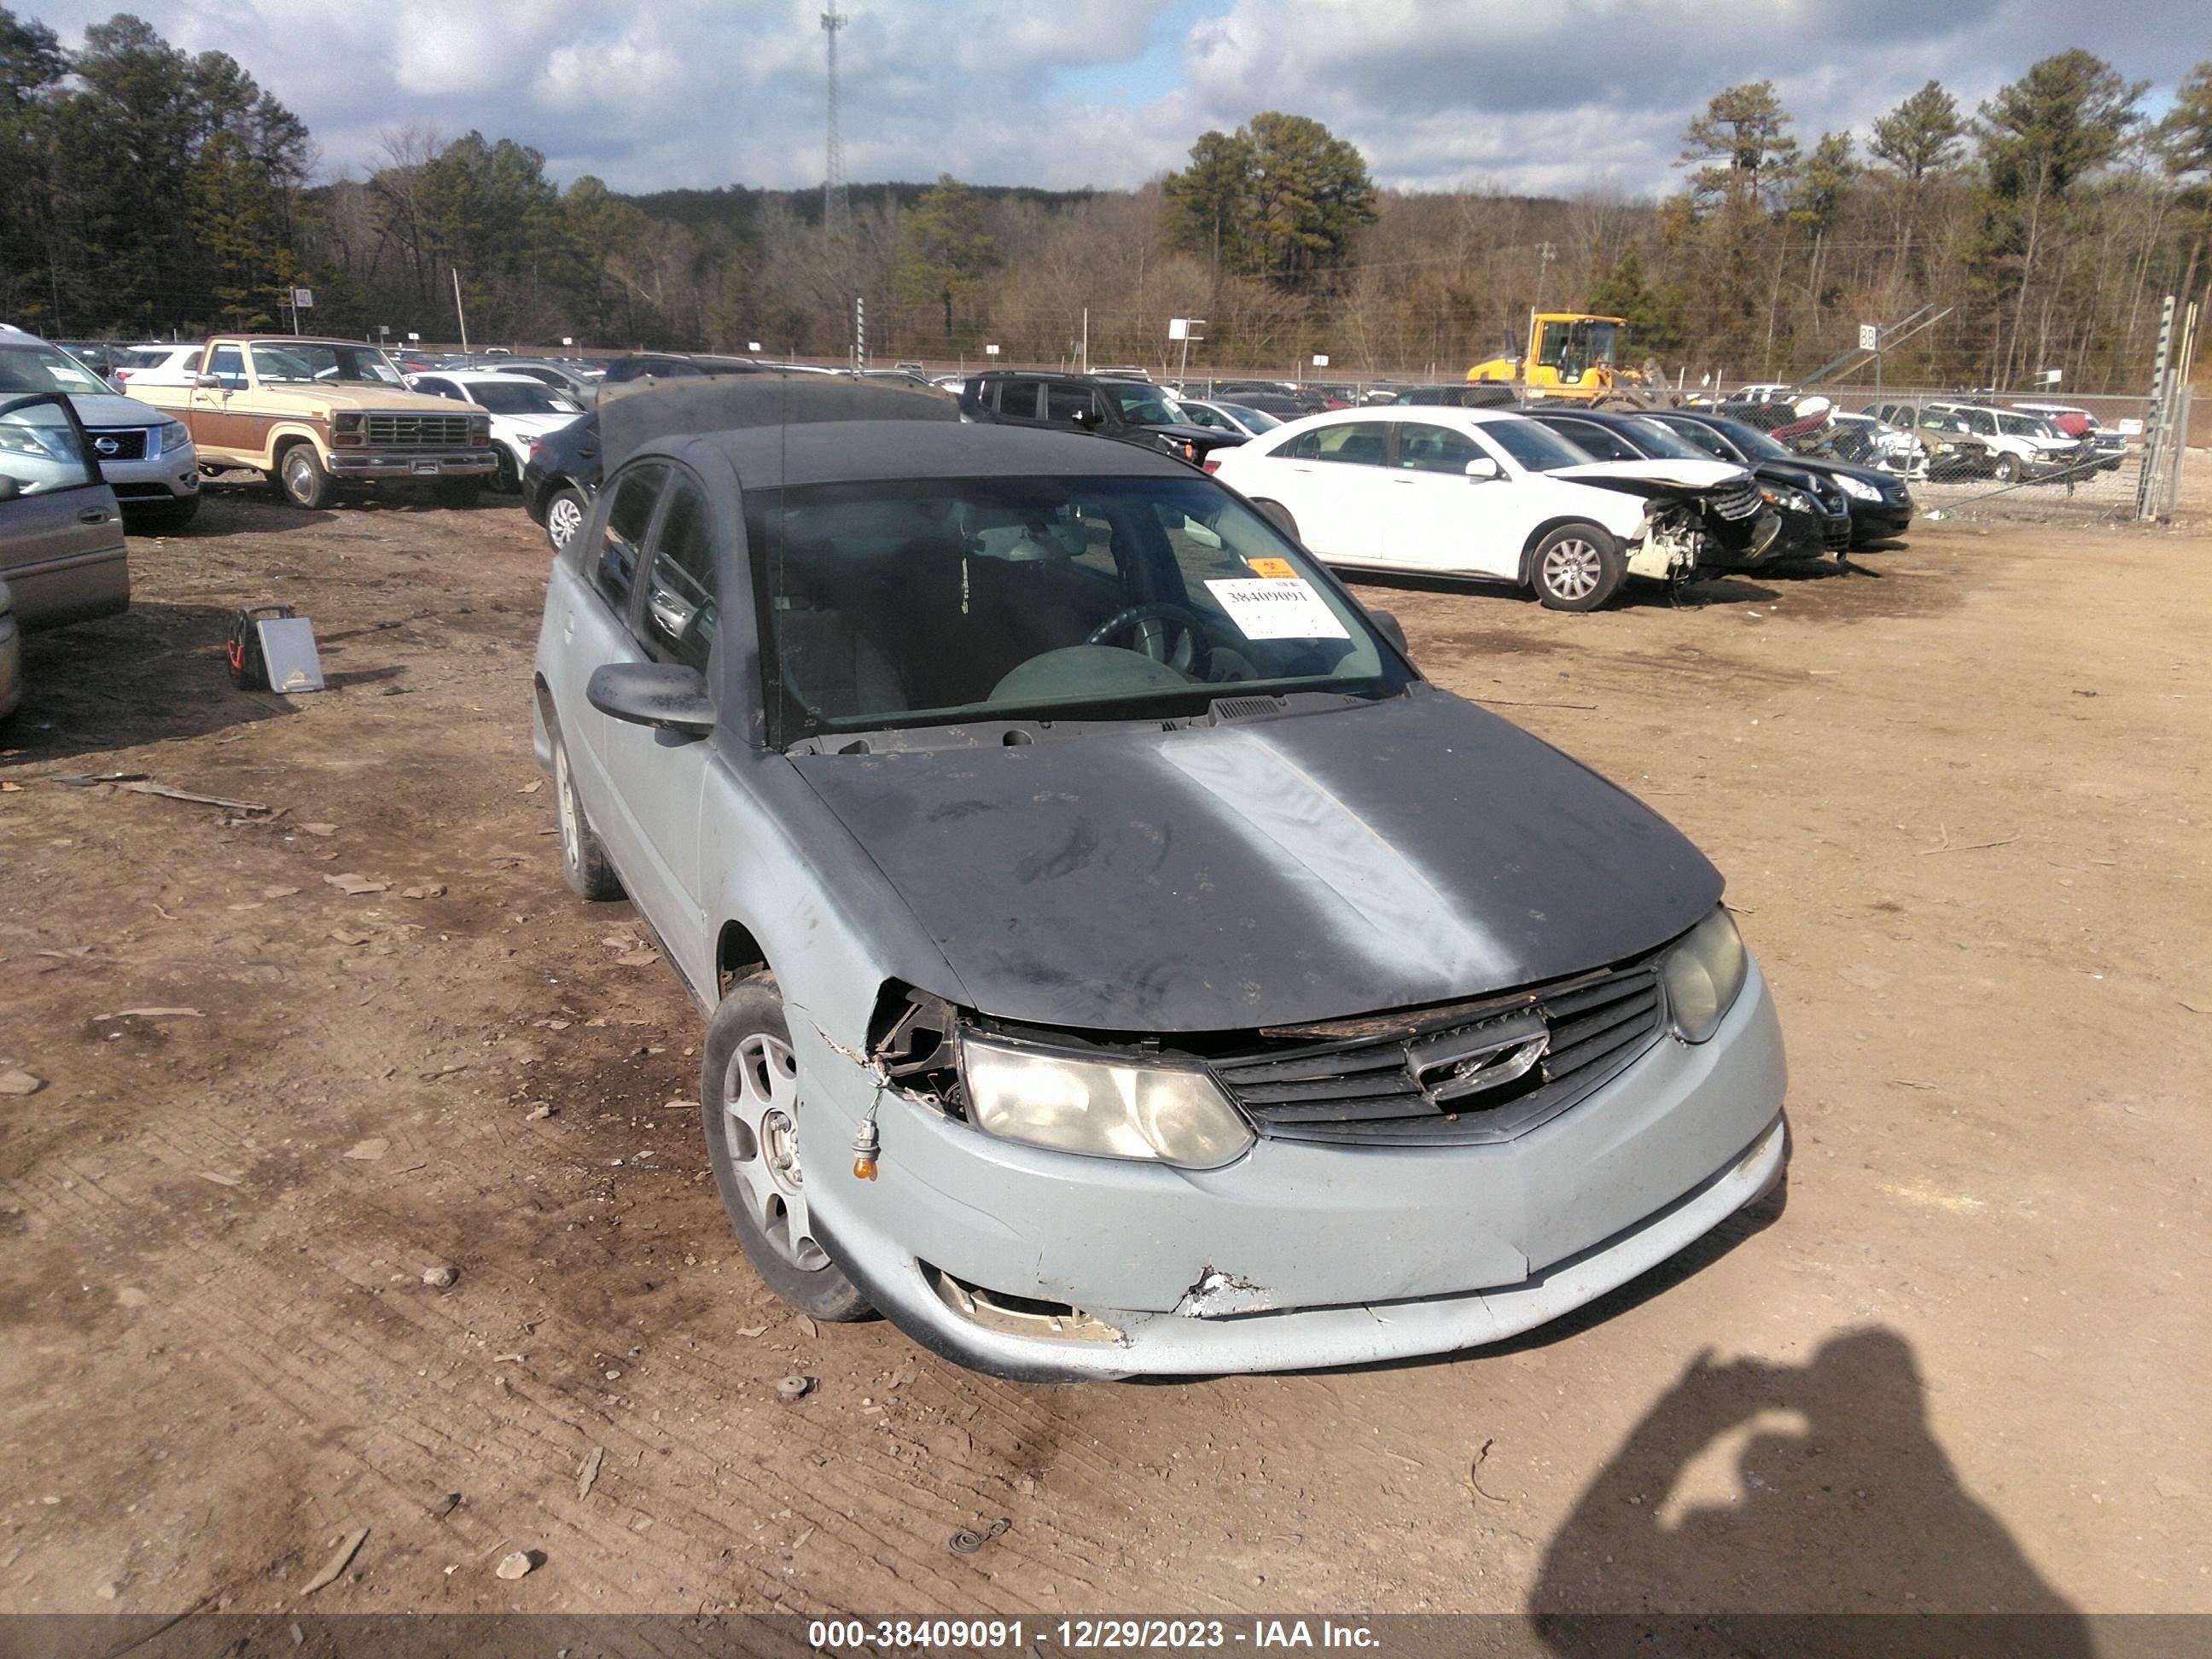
911	1039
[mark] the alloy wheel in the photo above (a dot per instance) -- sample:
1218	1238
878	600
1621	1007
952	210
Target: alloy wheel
1573	568
760	1125
562	520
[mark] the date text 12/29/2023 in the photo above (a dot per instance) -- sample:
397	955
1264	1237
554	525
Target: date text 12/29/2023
1112	1634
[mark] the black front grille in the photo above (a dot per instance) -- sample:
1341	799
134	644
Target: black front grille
418	431
117	443
1357	1083
1739	503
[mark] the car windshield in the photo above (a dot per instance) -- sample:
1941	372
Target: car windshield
312	360
2026	426
1536	446
1144	405
518	398
921	602
1753	442
42	368
1700	436
1659	440
1254	420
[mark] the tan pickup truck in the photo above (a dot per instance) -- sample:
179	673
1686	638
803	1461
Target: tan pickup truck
315	414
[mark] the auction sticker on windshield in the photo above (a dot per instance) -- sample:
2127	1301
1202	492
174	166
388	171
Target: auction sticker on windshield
1266	608
1275	569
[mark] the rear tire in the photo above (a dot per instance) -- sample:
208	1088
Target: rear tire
1280	516
1576	567
584	865
751	1097
302	480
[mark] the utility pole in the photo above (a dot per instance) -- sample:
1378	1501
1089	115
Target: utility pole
457	312
1086	339
859	333
833	203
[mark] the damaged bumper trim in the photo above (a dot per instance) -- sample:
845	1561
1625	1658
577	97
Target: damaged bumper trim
1179	1344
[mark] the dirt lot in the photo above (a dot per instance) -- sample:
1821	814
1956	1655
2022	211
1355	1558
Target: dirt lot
1962	804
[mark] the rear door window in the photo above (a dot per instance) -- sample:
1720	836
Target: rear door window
1356	443
629	515
1017	399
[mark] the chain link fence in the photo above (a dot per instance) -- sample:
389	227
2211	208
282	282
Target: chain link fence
2055	456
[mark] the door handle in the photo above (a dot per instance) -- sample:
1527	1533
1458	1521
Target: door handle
93	515
569	628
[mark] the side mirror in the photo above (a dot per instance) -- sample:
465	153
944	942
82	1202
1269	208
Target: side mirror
207	382
1388	625
668	695
9	487
1482	470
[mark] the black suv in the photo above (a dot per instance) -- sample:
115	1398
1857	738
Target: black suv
1135	412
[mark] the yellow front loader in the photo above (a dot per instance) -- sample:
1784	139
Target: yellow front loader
1570	359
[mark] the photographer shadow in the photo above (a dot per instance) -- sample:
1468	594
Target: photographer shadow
1757	1486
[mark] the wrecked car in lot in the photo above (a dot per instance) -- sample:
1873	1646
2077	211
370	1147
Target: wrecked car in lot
1116	959
1494	495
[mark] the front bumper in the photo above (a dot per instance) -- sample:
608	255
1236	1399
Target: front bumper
172	476
386	467
1296	1256
1874	521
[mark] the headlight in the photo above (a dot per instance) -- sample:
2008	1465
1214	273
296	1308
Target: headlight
1858	487
1165	1115
1703	975
1789	500
480	428
168	438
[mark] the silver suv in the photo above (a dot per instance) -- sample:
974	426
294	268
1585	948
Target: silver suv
146	458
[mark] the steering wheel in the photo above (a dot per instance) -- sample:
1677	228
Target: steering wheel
1152	641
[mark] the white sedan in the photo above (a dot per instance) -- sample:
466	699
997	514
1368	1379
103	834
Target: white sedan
521	410
1475	492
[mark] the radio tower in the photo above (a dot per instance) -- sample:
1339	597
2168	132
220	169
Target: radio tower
834	205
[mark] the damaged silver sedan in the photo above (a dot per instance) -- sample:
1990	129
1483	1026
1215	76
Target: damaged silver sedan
1117	959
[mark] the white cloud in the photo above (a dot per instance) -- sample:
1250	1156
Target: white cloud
664	93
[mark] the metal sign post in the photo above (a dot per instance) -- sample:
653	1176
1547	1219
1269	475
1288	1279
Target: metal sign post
2155	433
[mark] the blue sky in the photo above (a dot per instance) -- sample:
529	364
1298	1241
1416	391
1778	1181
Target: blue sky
1552	97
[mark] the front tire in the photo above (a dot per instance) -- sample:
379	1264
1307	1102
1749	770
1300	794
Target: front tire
584	865
303	480
751	1097
2008	469
1576	567
565	518
507	477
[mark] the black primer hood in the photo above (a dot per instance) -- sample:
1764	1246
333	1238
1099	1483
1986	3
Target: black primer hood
1265	873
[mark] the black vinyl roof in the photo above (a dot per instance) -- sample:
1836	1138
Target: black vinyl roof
637	413
766	458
